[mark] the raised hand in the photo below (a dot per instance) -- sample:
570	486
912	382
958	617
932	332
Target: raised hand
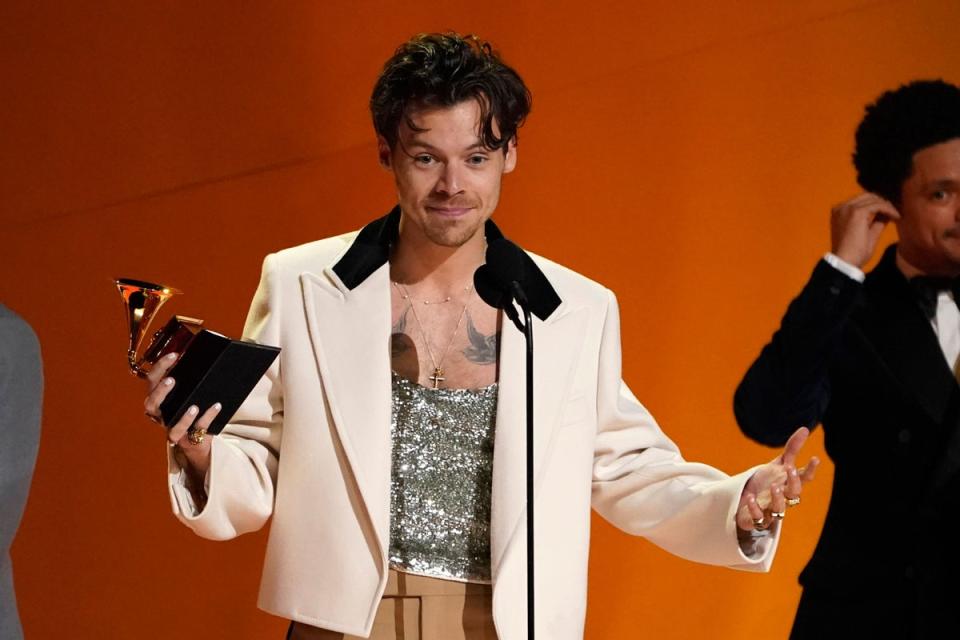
775	486
855	226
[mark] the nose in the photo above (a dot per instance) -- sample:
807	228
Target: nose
450	181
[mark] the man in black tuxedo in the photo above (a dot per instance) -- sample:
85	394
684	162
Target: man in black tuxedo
874	359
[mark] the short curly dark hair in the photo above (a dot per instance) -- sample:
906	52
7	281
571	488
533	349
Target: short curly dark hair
441	70
900	123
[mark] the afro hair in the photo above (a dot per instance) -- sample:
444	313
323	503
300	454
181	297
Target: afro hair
900	123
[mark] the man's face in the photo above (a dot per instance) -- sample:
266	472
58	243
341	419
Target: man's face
448	183
929	228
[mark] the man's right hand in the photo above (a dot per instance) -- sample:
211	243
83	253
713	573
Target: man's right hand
855	227
197	454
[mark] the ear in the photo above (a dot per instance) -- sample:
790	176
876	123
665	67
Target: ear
384	153
510	160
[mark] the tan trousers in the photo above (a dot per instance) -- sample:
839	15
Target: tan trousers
419	608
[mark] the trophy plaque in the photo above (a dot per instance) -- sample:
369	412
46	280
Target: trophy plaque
210	367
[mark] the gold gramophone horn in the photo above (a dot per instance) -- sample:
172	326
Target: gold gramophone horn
142	300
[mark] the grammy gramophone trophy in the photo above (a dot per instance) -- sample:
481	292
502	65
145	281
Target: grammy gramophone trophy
210	367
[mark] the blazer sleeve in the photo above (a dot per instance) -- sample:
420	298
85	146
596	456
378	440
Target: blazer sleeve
244	456
642	485
788	385
21	393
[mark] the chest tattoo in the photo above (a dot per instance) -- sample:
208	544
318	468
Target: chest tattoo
482	348
400	342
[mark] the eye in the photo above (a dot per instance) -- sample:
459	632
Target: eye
940	195
477	159
424	159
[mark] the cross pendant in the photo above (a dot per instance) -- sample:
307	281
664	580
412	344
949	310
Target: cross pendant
437	377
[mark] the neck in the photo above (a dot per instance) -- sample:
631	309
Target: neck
422	263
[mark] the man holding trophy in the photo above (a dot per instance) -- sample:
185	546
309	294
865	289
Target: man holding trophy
386	441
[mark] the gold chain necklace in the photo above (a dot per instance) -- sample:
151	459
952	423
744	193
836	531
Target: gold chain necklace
438	374
406	296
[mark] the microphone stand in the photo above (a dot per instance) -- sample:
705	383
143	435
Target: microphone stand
527	328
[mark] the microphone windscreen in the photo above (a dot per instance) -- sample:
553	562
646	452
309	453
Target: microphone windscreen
488	288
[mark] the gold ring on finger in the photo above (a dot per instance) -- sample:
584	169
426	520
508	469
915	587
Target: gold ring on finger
792	502
758	524
778	515
196	435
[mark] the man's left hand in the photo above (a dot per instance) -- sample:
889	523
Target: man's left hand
775	486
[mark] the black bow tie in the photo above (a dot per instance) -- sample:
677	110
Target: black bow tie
927	288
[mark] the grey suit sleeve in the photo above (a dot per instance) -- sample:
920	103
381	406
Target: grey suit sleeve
21	391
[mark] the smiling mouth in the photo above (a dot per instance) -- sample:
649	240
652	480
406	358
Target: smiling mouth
449	212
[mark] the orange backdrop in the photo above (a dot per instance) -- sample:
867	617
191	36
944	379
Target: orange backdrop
685	154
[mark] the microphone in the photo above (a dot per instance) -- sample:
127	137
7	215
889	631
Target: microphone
498	282
511	275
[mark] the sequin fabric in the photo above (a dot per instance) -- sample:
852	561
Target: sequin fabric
442	466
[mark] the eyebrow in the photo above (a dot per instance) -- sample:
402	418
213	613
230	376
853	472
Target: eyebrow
416	142
942	183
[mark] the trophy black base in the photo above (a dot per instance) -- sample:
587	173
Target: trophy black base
215	368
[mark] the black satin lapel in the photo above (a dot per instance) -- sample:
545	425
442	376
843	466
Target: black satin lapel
895	325
371	249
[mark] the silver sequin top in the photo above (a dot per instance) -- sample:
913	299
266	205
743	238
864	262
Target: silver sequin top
442	468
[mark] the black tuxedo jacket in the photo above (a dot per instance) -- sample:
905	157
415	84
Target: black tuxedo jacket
864	361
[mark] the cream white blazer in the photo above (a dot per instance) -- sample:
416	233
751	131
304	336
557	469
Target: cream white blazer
311	448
